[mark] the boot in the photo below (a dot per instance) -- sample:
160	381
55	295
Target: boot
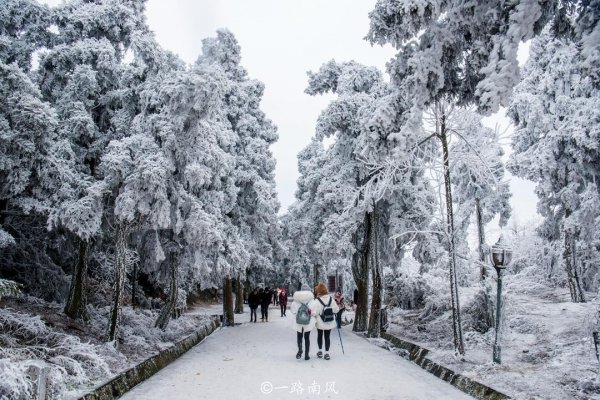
319	354
299	354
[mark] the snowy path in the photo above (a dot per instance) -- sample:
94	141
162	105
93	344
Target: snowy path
233	363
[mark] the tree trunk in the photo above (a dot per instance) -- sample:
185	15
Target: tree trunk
119	284
459	346
133	284
360	272
571	267
485	284
239	297
375	316
228	316
596	337
76	306
168	309
315	278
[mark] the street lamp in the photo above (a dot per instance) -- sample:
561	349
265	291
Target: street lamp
500	255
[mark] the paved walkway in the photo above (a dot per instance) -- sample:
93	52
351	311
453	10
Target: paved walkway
257	361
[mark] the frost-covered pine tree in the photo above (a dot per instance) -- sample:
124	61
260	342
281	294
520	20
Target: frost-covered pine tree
342	185
556	145
452	52
80	74
468	50
37	171
254	212
332	187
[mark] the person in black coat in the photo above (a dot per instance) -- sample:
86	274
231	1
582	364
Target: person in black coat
253	302
264	304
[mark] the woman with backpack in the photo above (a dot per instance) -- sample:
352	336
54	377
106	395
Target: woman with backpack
304	322
325	310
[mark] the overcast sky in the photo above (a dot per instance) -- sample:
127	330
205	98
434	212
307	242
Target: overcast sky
281	40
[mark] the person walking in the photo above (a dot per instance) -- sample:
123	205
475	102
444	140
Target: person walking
253	302
302	308
283	298
339	300
325	310
264	304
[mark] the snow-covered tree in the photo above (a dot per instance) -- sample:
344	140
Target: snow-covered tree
80	74
467	50
462	53
345	212
36	165
556	144
254	213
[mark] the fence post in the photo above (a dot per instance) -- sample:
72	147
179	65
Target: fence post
38	372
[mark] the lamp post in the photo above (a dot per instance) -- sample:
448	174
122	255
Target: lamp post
500	255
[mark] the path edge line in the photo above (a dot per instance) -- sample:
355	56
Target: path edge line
120	384
418	355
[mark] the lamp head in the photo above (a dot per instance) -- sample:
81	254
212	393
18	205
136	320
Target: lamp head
501	254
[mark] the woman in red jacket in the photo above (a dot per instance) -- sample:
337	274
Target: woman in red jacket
283	301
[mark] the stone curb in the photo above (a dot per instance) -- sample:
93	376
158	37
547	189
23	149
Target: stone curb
418	355
126	380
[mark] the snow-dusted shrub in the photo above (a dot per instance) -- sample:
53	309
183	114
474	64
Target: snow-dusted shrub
475	313
137	330
9	288
72	362
407	291
15	383
437	297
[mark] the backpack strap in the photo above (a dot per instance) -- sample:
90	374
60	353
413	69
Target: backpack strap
321	301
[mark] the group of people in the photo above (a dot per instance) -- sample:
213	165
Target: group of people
322	311
316	309
263	298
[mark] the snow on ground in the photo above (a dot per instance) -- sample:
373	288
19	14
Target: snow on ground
32	331
257	361
547	351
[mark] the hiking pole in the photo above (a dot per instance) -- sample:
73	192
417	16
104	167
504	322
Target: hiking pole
341	343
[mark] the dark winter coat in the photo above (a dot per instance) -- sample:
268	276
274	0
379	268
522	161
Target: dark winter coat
266	298
253	300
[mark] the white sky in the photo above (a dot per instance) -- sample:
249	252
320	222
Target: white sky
281	40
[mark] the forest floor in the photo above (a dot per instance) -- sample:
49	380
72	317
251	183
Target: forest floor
547	349
33	330
257	360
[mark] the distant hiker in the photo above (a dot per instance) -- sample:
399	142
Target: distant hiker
274	297
264	304
339	300
253	302
302	308
325	309
283	301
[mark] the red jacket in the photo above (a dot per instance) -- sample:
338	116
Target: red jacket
283	298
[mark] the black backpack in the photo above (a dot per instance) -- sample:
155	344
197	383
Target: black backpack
327	314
